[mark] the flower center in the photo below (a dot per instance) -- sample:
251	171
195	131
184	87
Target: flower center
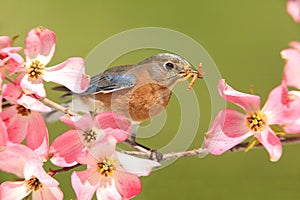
106	168
21	110
89	136
256	121
33	184
36	69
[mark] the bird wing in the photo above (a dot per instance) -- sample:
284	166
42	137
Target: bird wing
111	80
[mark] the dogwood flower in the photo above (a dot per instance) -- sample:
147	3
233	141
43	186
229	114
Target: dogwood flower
292	69
110	174
293	8
232	127
40	47
87	130
23	118
25	163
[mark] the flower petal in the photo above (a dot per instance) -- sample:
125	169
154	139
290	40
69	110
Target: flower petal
40	45
37	131
291	69
4	42
13	190
109	192
32	103
13	158
274	106
33	87
271	142
113	124
66	148
248	102
293	8
70	74
15	123
128	185
103	148
228	130
11	93
49	193
83	189
134	165
3	135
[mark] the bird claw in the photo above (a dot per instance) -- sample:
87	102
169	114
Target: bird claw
154	154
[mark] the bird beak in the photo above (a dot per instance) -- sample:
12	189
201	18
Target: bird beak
190	72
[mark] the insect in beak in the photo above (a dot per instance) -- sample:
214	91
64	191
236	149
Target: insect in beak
191	73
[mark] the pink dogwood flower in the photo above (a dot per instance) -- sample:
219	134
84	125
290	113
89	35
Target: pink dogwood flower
292	66
23	118
112	175
10	60
86	131
40	47
232	127
25	163
293	8
292	112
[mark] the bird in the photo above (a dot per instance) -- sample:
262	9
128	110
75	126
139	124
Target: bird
139	92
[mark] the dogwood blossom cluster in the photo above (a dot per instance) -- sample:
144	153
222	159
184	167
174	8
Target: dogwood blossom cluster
90	141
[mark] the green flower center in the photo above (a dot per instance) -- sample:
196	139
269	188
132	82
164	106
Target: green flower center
89	136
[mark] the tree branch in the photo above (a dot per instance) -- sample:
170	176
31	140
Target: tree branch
56	106
201	151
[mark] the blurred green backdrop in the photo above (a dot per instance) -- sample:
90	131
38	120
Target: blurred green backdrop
243	37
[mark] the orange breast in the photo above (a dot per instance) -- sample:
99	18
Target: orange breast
138	103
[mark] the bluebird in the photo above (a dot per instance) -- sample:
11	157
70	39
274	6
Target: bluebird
139	91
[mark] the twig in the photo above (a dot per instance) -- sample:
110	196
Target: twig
52	104
64	169
200	151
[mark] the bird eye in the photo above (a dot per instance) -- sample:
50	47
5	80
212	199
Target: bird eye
169	65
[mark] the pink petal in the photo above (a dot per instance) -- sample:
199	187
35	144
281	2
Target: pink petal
292	112
274	106
128	185
33	87
37	130
33	167
70	120
32	103
109	192
83	189
293	8
11	93
40	45
3	135
15	123
292	69
248	102
70	74
271	142
134	165
4	42
103	148
66	148
113	124
42	151
228	130
13	158
13	190
49	193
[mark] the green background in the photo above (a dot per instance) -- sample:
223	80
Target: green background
244	38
